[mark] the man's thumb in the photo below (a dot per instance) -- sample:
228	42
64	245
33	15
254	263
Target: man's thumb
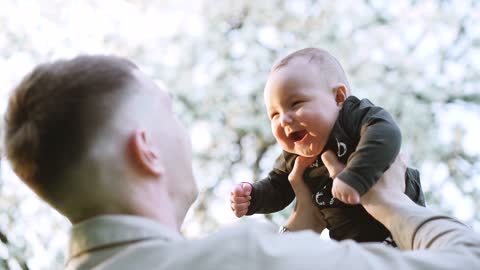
334	166
301	163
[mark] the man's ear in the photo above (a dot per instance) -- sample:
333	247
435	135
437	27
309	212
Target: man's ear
340	93
144	155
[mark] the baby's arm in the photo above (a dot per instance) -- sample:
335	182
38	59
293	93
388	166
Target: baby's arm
379	143
262	197
268	195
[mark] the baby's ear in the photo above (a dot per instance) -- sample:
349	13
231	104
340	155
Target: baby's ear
341	93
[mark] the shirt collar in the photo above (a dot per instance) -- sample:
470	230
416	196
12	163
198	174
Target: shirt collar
110	230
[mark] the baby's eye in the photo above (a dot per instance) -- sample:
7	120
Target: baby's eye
296	103
273	115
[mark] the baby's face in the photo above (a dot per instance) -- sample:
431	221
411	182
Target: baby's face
301	108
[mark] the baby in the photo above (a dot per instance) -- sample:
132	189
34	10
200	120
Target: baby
311	111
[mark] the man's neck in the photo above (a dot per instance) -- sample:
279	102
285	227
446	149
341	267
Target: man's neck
159	209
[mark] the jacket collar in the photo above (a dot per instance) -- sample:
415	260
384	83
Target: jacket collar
112	230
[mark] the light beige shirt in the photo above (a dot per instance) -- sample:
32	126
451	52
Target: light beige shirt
129	242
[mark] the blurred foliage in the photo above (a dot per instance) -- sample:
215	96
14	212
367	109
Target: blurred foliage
418	59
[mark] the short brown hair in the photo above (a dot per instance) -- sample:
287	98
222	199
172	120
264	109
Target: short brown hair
318	56
54	113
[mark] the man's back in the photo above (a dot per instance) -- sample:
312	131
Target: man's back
129	242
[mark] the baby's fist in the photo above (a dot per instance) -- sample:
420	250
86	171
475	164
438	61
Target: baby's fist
240	199
345	192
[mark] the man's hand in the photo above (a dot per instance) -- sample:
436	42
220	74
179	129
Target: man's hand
240	199
305	216
386	200
386	197
391	184
332	164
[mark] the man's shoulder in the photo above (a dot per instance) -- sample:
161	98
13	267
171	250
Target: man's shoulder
228	238
244	229
229	247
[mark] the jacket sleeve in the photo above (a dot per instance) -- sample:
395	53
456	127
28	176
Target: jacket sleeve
379	141
274	192
438	242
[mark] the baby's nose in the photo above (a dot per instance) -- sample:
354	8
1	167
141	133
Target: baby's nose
286	119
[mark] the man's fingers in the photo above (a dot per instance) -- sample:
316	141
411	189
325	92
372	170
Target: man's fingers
296	179
390	178
391	182
335	194
400	160
338	196
301	163
306	215
333	165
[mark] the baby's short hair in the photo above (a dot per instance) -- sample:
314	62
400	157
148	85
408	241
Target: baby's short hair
319	57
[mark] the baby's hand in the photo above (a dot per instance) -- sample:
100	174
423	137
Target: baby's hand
340	190
240	199
345	192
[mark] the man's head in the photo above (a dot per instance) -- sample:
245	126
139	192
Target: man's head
303	95
93	135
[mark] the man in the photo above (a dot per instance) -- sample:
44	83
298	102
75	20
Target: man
97	140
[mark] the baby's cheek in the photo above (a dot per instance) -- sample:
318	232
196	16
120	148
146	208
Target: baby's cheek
279	136
276	133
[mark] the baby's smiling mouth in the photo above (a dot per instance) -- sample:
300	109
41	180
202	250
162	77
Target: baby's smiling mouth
297	135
